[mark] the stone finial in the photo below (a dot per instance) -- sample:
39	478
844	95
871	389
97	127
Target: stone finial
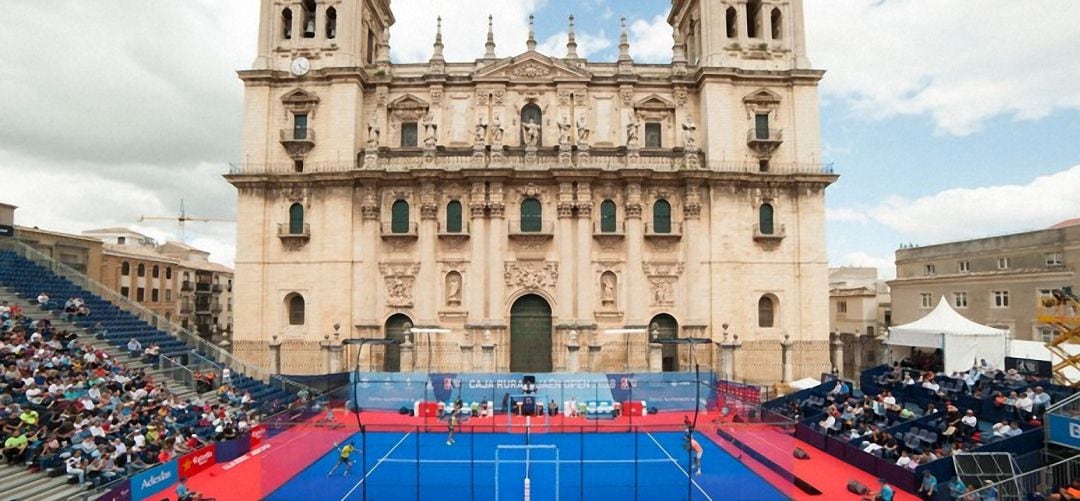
624	42
489	47
437	54
531	42
571	41
678	48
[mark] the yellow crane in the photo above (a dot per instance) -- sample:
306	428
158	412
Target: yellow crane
182	219
1062	310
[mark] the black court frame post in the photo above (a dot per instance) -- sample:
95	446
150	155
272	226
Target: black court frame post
418	463
472	463
637	437
581	463
363	460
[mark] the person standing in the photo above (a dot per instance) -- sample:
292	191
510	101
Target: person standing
692	446
451	425
344	454
928	488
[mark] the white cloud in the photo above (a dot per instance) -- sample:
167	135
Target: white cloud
651	40
588	44
963	213
960	64
464	28
885	265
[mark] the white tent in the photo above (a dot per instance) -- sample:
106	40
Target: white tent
962	341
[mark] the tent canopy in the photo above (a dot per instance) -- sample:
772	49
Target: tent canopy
962	341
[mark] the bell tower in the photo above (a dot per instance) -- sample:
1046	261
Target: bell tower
329	33
750	34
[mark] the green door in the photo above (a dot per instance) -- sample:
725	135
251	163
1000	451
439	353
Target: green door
530	335
666	328
395	329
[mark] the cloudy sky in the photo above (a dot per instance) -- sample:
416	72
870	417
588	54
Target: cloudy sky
944	123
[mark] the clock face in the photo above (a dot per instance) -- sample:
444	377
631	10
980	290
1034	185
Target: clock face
301	66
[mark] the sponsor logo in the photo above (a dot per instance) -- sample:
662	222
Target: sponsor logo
153	480
1074	430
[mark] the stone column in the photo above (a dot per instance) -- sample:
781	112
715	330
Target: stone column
275	354
497	243
656	354
488	347
427	297
475	290
336	352
467	357
837	354
564	240
573	364
324	347
408	355
585	290
743	22
785	355
696	242
635	304
728	351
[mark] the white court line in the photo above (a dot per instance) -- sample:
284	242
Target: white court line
372	470
679	466
522	461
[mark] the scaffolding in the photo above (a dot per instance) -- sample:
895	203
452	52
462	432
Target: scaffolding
1061	310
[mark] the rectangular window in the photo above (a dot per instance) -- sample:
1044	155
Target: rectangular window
126	292
408	135
929	269
140	294
168	295
926	300
960	299
761	126
1053	259
841	306
300	129
370	46
1003	263
652	135
1047	334
154	297
1000	299
964	266
121	240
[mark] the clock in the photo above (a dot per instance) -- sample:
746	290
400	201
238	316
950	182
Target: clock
300	66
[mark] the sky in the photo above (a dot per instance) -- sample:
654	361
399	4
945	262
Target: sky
944	123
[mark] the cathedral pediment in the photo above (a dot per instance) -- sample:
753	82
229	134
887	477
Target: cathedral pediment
530	67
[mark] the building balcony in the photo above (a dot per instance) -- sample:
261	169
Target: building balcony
187	308
287	236
187	286
297	142
673	231
391	231
217	288
445	234
216	308
764	142
616	232
202	288
778	233
545	230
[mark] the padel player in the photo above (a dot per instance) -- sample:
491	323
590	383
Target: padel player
343	458
691	444
451	424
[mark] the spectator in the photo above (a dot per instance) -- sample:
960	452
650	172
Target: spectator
15	446
1025	403
76	466
43	299
134	348
1014	430
1000	428
928	487
1041	399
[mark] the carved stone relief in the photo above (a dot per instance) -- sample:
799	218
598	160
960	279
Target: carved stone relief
531	275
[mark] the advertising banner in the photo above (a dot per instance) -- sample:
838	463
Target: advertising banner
258	435
120	492
231	449
1063	430
154	480
195	462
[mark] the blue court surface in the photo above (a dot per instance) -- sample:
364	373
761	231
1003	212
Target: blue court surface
494	465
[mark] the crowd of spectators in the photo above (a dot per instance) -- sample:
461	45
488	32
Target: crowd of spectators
66	405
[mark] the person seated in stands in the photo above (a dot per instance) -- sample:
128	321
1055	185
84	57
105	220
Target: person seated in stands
151	354
905	458
43	299
573	407
890	446
76	466
1014	430
1013	375
485	409
970	423
1000	428
906	414
829	422
134	348
1041	399
15	446
1025	403
1068	493
908	380
82	311
837	390
1010	400
929	383
916	460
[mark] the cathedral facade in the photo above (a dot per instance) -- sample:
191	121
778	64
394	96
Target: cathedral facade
532	213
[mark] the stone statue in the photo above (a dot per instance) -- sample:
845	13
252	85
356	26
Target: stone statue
583	130
487	337
689	132
564	131
632	132
431	129
607	288
572	338
531	131
497	130
373	133
453	289
481	130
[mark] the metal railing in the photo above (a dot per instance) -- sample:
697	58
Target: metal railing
545	228
388	230
770	135
297	134
285	230
674	229
1041	480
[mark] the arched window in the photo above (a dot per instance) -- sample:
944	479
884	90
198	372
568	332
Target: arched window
732	23
608	218
296	219
168	273
331	23
753	18
155	272
531	112
309	18
294	304
286	23
453	217
125	268
765	219
661	216
141	270
399	217
777	24
532	216
766	311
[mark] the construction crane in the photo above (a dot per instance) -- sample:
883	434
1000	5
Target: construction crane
1061	309
182	219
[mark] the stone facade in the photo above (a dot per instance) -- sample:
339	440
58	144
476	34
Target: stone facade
624	195
996	281
860	312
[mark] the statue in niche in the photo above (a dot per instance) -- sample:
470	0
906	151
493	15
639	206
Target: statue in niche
632	132
689	132
431	130
480	135
607	289
564	131
572	338
531	131
373	133
582	130
497	130
487	337
453	289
